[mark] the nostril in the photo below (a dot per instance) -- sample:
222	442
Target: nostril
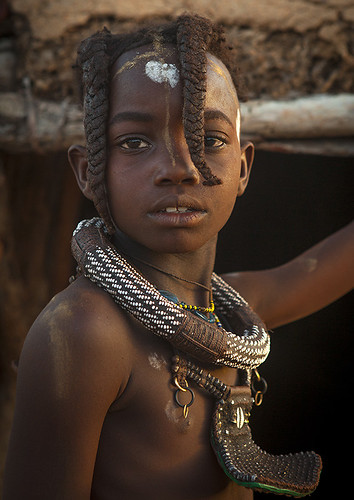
190	180
178	173
163	181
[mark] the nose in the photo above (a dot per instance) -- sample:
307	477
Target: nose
176	166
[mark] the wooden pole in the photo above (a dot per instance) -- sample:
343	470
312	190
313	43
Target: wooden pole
321	124
318	116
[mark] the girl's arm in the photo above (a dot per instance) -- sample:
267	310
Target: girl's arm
302	286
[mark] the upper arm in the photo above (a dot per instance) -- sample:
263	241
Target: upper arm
302	286
71	369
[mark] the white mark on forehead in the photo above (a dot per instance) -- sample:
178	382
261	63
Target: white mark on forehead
160	72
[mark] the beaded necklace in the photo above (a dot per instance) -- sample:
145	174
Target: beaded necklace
199	311
245	347
172	297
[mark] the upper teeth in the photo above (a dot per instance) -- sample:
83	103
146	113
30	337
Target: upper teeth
175	209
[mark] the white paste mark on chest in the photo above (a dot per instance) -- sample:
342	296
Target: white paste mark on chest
156	361
172	412
175	416
160	72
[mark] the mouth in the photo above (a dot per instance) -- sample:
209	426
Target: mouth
177	210
177	205
178	215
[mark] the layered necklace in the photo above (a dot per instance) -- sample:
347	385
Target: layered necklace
247	346
202	336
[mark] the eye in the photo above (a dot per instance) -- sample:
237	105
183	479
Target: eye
133	144
214	142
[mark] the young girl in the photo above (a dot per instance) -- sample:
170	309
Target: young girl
127	373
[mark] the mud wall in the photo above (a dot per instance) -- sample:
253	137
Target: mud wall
286	47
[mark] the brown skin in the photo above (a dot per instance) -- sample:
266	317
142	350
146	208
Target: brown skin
95	416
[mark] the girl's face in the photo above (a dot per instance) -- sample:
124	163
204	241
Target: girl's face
156	194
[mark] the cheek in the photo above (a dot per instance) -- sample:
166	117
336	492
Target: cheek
228	206
223	206
119	194
228	195
231	177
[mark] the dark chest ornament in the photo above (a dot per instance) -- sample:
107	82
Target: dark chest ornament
246	463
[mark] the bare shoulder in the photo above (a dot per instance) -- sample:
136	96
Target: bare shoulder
75	362
83	325
82	304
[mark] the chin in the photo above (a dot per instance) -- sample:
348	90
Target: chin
165	242
177	245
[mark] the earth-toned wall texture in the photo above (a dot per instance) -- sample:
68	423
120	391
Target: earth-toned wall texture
286	47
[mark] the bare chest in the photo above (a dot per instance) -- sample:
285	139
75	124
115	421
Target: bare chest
149	448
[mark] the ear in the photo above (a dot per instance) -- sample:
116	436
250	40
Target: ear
77	156
247	155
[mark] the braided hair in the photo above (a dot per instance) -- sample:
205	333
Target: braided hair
193	37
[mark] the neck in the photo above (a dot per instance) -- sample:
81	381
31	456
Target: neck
187	275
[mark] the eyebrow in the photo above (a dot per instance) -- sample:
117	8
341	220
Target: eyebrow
214	114
131	116
137	116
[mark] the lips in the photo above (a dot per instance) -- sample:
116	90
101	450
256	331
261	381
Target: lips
177	211
175	204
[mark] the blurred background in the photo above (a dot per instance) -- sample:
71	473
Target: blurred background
301	188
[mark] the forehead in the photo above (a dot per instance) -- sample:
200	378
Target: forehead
148	78
160	65
220	83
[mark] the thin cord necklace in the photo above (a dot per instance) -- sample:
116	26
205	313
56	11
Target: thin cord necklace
183	305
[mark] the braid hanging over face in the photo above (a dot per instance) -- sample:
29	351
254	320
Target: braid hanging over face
194	37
